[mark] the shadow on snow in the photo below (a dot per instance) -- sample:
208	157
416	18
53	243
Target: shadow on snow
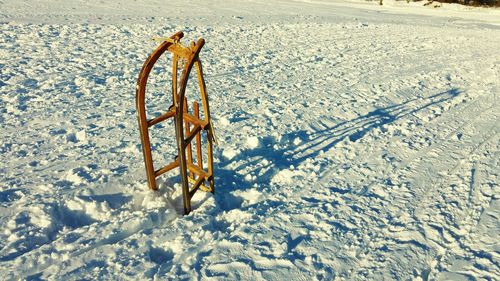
322	139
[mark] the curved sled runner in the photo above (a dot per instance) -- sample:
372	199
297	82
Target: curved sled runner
188	127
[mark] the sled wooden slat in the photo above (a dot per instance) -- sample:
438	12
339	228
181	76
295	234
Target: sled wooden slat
161	118
167	168
199	157
191	135
196	186
187	125
198	171
180	51
202	186
196	121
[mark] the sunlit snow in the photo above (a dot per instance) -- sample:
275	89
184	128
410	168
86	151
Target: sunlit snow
357	142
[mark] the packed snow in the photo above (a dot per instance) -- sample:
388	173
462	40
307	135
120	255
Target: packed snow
356	141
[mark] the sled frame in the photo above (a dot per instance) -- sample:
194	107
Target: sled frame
188	127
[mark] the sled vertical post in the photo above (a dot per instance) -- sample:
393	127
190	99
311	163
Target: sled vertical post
187	126
175	64
199	157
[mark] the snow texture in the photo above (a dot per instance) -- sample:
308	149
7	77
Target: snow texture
357	141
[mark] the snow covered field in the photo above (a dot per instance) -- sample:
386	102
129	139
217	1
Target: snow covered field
357	141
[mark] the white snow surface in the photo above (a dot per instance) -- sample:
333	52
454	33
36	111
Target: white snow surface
357	141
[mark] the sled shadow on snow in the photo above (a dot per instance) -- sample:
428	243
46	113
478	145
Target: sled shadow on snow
311	145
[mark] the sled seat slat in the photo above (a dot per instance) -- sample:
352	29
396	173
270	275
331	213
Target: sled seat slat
196	170
181	51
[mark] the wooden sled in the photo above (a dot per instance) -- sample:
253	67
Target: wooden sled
188	126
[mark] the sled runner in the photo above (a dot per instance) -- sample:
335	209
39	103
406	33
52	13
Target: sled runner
188	126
